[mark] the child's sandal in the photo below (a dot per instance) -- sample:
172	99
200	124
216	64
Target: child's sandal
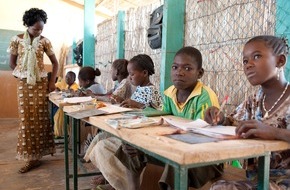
29	166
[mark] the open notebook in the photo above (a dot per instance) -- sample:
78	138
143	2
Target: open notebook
201	127
108	109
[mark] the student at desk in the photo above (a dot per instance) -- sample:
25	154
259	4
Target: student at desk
123	89
71	86
140	67
89	87
266	114
87	82
187	98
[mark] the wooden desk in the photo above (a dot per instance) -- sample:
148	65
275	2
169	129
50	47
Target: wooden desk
56	99
183	156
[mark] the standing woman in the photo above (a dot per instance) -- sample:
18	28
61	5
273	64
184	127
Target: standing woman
35	136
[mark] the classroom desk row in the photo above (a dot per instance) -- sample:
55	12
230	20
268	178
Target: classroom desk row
181	156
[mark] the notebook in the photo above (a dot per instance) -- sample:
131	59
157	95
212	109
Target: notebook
202	127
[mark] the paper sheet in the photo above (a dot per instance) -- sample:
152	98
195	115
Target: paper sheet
184	124
110	109
75	100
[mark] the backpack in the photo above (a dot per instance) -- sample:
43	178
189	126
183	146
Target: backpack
154	32
78	54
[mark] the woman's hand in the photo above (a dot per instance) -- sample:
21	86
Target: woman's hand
213	116
131	104
51	86
254	128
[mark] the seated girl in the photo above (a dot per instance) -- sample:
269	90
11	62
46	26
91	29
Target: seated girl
102	156
264	115
123	89
87	82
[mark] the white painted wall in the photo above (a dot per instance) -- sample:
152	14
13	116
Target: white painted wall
64	24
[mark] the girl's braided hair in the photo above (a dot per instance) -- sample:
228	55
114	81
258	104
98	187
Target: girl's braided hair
278	44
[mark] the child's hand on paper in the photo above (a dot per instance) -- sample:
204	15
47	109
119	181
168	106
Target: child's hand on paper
131	104
254	128
213	116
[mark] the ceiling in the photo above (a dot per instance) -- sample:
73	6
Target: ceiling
109	8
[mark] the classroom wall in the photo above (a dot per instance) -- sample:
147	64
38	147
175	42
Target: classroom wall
136	24
64	25
219	29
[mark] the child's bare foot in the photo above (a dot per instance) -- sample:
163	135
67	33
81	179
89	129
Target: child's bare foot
98	180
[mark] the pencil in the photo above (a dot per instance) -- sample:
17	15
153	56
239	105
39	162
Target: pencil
223	104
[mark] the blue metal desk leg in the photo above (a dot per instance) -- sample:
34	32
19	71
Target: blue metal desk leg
263	172
75	126
180	178
66	161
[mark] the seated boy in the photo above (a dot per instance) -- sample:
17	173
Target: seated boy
187	98
71	86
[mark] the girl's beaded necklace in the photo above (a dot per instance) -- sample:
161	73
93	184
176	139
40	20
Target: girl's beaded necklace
263	103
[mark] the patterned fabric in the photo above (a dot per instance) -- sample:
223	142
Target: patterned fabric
35	136
59	115
124	89
198	101
73	87
17	47
280	160
97	89
147	95
61	84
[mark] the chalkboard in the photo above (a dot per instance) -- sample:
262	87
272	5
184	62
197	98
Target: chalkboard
5	36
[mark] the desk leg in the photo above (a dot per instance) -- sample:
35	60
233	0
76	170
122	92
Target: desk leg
263	172
75	126
66	161
181	178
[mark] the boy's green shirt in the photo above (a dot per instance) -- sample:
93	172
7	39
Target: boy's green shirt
198	101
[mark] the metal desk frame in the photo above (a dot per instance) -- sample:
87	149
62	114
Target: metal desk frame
180	171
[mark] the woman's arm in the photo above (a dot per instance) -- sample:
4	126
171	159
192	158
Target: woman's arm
51	85
12	62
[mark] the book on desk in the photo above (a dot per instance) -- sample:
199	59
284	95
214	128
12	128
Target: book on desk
79	113
131	121
201	127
